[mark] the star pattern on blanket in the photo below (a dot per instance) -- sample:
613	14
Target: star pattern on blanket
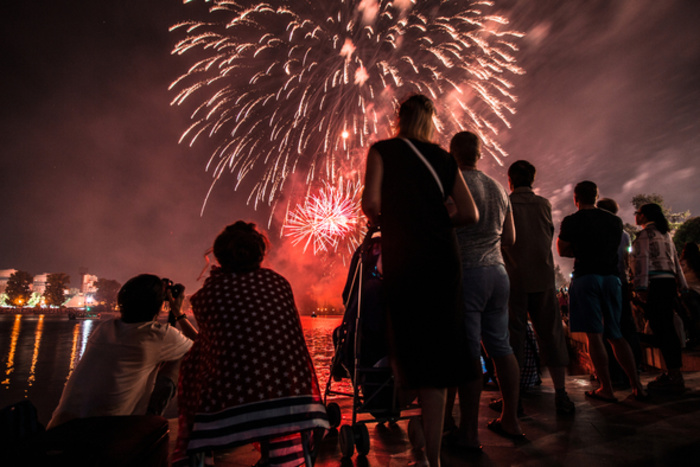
256	348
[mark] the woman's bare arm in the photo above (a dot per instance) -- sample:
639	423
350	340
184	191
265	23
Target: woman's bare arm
372	195
508	236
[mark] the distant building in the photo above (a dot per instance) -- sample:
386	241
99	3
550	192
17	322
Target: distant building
75	297
39	283
89	284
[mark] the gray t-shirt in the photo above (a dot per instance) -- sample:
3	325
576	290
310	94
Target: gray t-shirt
480	244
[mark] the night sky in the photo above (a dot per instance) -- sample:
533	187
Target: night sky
92	176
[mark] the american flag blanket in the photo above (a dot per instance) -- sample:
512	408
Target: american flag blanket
249	376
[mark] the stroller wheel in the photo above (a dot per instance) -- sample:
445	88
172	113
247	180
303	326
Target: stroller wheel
334	416
347	441
361	438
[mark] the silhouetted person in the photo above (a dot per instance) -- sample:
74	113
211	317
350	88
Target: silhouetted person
407	183
117	373
627	326
591	236
533	294
485	290
657	277
249	376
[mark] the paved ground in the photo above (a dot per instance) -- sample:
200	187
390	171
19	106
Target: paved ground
663	432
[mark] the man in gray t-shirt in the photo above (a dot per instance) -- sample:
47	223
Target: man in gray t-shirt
485	292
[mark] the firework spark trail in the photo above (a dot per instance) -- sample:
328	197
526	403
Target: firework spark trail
327	219
301	85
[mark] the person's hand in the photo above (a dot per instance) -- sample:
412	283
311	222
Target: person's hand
175	302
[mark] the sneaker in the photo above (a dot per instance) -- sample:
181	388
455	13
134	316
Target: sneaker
665	383
564	405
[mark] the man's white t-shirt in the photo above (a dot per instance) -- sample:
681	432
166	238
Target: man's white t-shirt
117	371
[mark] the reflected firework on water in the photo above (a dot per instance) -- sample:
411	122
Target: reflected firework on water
303	87
38	354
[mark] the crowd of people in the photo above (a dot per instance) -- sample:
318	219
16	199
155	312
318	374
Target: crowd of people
419	195
466	265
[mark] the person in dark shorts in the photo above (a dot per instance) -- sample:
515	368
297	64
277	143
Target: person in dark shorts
591	236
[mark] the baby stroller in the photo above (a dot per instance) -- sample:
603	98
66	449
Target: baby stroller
361	352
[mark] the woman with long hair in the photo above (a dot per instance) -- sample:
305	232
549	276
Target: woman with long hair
657	278
409	183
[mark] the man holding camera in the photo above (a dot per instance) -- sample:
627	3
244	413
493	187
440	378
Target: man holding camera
117	373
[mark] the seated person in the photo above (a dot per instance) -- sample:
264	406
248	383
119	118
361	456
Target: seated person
117	373
249	377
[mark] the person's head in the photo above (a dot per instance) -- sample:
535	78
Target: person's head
652	212
465	147
141	298
691	254
586	193
608	204
416	118
240	248
521	174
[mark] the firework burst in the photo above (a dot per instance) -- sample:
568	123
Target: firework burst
327	219
304	86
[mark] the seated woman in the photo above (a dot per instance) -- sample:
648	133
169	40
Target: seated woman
249	377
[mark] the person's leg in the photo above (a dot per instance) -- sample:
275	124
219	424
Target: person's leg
659	309
165	387
432	403
450	423
469	396
509	381
611	306
547	322
470	392
599	357
558	375
625	357
494	333
587	296
517	323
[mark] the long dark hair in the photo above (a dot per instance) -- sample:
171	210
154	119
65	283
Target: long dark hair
655	214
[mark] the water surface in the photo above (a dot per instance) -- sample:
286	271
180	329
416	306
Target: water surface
38	353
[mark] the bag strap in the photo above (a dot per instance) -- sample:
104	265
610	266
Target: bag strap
427	164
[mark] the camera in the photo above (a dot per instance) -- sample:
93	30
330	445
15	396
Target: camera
175	289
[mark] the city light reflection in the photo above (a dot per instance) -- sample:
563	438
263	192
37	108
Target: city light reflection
35	355
73	349
13	347
87	329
